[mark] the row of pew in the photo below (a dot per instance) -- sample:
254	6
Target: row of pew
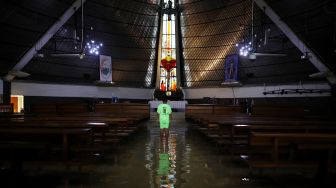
68	137
272	137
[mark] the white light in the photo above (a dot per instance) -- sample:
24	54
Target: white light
93	47
244	49
241	125
245	157
96	123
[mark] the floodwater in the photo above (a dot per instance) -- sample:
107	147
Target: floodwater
181	159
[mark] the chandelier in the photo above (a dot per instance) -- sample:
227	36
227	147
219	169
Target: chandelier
93	47
245	49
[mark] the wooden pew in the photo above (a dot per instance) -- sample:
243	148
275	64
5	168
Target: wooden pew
121	124
43	109
64	126
229	130
111	130
279	143
19	144
298	136
117	122
72	108
227	110
197	113
279	111
198	109
124	108
59	108
105	130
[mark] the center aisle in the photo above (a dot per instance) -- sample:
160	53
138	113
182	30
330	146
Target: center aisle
193	162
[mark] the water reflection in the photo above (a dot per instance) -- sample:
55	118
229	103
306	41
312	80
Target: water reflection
162	154
167	161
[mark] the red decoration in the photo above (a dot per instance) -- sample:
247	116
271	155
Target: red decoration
168	63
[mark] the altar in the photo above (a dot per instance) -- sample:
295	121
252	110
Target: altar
175	105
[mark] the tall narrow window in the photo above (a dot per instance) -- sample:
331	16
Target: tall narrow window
168	49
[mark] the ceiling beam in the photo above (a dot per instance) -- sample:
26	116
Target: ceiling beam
313	58
45	38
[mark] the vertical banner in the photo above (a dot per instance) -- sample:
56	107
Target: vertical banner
105	68
231	68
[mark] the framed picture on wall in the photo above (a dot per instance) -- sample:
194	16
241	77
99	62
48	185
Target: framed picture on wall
231	68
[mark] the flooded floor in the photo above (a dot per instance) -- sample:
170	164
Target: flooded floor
181	159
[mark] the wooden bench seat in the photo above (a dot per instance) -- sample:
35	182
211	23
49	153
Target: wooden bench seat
67	133
239	128
278	143
20	140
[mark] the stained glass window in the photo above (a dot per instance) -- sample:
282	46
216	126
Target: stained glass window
168	52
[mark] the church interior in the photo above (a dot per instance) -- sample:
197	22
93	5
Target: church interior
168	93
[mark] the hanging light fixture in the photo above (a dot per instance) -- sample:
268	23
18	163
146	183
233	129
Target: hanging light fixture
245	48
93	47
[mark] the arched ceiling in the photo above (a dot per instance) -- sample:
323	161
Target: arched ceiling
129	32
210	31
